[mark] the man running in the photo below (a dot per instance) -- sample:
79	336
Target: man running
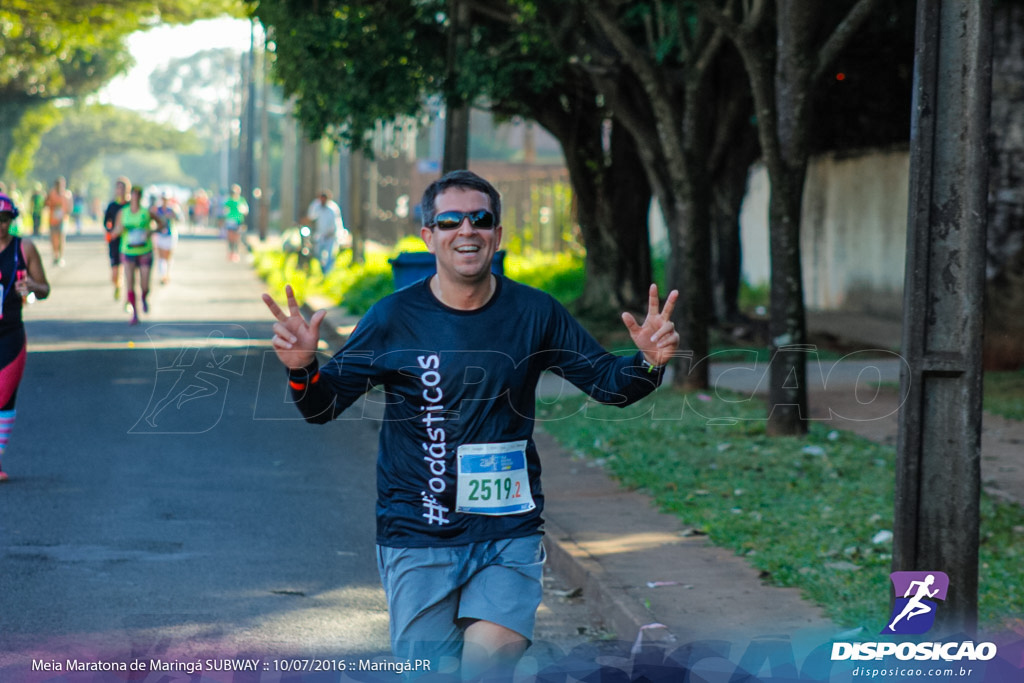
121	186
459	497
59	204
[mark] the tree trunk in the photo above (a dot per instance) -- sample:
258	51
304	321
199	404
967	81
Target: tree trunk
694	224
727	254
456	121
734	150
787	328
613	199
357	217
782	74
618	265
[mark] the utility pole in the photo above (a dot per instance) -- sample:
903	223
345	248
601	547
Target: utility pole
266	194
289	174
310	179
938	468
248	179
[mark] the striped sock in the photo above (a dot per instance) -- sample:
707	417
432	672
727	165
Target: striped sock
6	425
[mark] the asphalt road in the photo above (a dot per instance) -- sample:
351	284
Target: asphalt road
166	501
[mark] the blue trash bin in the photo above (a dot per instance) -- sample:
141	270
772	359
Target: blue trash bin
410	267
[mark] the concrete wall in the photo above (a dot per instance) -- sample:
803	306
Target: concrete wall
853	228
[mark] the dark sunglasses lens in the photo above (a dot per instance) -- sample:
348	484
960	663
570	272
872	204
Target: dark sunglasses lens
482	219
449	220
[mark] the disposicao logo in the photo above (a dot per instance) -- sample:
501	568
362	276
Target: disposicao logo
914	610
913	614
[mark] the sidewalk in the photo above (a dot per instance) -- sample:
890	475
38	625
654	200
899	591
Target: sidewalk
647	577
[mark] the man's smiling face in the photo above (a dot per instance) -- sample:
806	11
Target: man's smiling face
464	253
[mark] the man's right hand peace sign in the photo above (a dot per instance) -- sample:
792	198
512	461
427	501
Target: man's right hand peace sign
295	340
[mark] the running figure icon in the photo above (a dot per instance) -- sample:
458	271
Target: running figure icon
190	385
916	603
915	607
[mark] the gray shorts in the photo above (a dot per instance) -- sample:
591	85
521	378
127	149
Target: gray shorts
433	593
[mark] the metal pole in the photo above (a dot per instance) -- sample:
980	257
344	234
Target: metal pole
938	471
267	193
248	176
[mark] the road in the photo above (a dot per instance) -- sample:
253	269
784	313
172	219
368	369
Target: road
167	502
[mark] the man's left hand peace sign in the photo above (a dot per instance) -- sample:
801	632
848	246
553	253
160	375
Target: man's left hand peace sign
656	337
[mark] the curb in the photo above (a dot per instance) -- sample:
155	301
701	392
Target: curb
620	616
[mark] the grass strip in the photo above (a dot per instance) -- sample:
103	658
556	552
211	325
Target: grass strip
1004	394
814	512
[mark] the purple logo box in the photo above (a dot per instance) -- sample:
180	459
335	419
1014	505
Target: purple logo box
914	609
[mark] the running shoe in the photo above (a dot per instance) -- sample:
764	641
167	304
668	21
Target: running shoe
134	321
3	476
145	304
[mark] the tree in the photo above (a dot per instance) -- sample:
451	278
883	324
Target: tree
517	69
88	133
783	67
201	91
351	65
664	77
69	48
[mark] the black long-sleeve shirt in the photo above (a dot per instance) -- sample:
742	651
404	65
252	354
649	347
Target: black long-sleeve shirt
453	378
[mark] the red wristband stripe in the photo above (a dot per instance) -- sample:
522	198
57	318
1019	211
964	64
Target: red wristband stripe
301	386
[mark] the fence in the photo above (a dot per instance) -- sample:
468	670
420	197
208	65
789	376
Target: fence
538	210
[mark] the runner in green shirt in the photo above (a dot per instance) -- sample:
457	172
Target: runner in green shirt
133	226
232	220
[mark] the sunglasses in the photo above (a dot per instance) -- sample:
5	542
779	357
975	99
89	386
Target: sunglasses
449	220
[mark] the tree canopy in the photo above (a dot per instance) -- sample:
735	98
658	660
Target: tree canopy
202	88
350	65
85	134
70	48
64	48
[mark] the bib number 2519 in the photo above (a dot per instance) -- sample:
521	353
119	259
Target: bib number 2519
492	479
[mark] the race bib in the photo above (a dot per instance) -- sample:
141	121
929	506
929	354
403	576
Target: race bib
492	479
136	238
